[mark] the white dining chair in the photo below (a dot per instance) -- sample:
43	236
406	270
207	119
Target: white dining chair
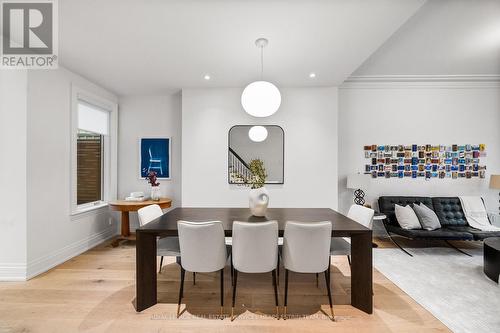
306	249
362	215
203	250
255	250
166	246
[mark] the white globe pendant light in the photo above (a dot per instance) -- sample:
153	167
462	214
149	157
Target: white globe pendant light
257	133
261	98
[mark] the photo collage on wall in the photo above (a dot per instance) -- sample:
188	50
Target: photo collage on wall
425	161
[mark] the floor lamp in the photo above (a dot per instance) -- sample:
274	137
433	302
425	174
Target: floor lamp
495	184
358	183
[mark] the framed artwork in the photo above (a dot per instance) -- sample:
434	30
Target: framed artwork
154	155
425	161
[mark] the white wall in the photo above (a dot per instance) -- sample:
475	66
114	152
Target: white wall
53	235
148	116
13	100
444	37
418	113
307	115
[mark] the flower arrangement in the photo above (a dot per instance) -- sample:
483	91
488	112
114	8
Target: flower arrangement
152	179
256	178
259	174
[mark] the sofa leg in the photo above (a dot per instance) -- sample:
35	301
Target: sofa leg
456	248
400	247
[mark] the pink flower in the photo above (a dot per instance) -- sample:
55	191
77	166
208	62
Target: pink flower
152	179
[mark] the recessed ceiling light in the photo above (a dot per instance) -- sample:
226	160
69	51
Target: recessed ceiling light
207	77
312	75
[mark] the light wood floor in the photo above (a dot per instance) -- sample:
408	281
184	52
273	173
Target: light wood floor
94	293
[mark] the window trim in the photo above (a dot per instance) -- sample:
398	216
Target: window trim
109	174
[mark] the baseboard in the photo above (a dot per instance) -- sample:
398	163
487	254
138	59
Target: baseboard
12	272
43	264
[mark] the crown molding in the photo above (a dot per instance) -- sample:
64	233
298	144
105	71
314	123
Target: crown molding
423	81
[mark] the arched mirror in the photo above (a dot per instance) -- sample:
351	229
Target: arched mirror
256	142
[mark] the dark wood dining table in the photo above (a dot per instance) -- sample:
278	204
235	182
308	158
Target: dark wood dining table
342	226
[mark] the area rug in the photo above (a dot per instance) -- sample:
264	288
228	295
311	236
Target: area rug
451	285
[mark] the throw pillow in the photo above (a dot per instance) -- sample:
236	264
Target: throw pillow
406	217
427	217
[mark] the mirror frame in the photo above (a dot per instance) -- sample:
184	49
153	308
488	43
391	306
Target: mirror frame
228	146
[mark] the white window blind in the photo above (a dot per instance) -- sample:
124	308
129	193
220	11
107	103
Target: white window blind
92	118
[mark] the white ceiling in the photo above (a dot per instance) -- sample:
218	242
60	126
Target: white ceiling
146	47
445	37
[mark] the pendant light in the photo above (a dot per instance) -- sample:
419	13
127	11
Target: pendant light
261	98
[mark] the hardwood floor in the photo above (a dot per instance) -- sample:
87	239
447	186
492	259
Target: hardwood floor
94	293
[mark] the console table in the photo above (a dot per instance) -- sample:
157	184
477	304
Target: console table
125	207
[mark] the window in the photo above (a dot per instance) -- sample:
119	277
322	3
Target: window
89	167
93	127
94	152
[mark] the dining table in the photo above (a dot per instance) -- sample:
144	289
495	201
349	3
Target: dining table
342	226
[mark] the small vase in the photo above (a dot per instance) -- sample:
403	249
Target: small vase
259	200
155	193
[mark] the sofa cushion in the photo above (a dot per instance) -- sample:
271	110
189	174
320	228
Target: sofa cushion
406	217
441	234
449	211
476	233
427	217
386	205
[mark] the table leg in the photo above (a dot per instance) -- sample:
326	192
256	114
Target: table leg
125	224
362	272
125	230
146	289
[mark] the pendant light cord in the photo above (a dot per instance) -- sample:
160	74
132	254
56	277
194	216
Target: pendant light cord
261	63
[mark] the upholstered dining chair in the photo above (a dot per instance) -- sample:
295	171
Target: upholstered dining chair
203	250
362	215
306	249
167	246
255	250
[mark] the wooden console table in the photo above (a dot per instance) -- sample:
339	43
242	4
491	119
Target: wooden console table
125	207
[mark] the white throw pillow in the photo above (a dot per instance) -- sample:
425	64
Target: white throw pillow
427	217
406	217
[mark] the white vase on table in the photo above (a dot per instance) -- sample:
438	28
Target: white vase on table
258	201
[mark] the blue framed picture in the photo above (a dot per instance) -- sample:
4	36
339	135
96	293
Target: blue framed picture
154	155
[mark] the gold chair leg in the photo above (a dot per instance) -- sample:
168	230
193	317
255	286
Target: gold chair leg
232	313
278	312
178	311
333	314
284	313
221	313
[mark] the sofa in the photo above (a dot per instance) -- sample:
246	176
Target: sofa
454	225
